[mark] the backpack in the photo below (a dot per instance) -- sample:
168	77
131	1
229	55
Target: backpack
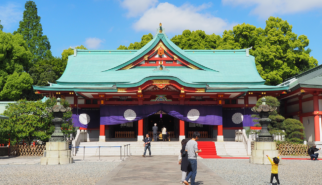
309	151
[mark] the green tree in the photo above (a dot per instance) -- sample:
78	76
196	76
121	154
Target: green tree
138	45
15	86
70	51
47	70
1	27
196	40
28	120
14	61
31	30
276	119
280	53
294	130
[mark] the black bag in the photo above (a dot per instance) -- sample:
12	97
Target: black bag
184	153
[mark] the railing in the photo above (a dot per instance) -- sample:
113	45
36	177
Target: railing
124	134
79	137
126	150
240	136
203	134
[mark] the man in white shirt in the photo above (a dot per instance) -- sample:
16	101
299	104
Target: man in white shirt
192	150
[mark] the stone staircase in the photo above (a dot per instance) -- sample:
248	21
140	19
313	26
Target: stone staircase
231	149
135	148
157	148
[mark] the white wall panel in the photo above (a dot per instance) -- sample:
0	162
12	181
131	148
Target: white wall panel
252	100
81	101
307	106
241	101
308	123
320	105
70	99
293	108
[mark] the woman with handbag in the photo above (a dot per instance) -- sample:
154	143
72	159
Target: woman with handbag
185	165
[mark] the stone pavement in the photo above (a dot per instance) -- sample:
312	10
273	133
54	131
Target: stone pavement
156	170
25	160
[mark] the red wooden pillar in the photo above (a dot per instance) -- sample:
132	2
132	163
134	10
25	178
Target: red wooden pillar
140	130
300	109
316	117
181	130
220	136
102	137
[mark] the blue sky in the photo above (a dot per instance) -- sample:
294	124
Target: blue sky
106	24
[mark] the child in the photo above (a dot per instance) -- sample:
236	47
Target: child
274	170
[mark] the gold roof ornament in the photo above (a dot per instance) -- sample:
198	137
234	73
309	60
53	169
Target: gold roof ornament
121	89
182	90
160	30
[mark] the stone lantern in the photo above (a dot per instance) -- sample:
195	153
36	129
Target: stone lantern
263	111
264	144
57	150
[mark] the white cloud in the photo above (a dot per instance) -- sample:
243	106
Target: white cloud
10	14
266	8
137	7
93	43
176	19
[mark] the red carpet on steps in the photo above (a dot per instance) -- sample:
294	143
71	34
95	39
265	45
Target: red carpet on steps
208	149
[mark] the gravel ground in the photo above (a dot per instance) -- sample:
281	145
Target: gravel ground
77	173
240	171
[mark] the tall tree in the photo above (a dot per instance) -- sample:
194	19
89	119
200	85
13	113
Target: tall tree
31	30
14	61
1	27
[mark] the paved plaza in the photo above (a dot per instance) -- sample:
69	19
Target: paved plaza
290	172
154	170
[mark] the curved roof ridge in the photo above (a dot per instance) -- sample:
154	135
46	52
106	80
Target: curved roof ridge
136	56
185	56
150	45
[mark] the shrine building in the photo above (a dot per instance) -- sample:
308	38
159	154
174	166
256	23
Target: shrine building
120	94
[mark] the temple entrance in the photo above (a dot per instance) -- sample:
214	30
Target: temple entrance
164	120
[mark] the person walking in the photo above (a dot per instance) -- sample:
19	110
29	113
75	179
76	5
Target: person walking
185	165
312	151
164	133
192	150
147	145
155	132
274	171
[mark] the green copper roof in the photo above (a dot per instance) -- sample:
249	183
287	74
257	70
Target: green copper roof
310	79
99	70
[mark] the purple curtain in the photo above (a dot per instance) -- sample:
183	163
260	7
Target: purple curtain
228	114
248	120
94	115
207	115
